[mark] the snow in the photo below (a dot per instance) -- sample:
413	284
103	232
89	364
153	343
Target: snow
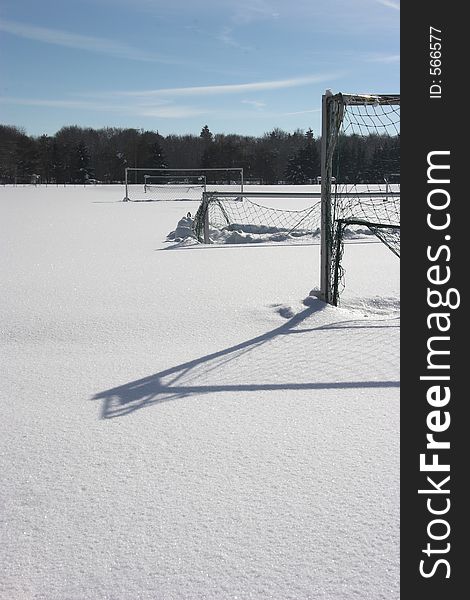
191	422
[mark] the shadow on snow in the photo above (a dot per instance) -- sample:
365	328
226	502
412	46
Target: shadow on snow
167	385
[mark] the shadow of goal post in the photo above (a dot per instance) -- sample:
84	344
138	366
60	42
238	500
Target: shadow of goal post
377	114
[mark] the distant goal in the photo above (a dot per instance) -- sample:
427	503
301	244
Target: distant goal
154	185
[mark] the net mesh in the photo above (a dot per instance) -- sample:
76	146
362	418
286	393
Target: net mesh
224	214
172	191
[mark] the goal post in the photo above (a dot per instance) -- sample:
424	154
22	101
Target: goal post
153	184
360	162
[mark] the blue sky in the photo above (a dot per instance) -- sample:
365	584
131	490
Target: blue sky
239	66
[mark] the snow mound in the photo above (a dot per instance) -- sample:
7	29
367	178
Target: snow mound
376	305
386	306
356	232
249	233
245	233
239	236
184	230
255	234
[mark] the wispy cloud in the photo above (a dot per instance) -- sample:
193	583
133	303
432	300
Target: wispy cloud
390	4
303	112
384	58
248	11
254	103
155	109
72	104
170	112
163	102
79	42
160	110
237	88
225	36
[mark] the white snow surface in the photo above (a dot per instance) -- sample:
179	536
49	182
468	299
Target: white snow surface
185	423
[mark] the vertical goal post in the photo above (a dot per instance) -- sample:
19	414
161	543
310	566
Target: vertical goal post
200	177
370	195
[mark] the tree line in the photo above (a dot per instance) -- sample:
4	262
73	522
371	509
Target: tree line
79	155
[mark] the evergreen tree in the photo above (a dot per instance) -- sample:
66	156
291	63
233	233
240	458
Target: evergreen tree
11	141
310	159
208	159
309	135
209	154
57	163
304	166
378	167
44	149
262	164
294	174
26	158
158	160
206	135
113	164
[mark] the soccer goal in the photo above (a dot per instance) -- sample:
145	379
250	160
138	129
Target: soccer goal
153	185
251	217
360	182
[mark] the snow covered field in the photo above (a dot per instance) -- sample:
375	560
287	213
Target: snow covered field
177	423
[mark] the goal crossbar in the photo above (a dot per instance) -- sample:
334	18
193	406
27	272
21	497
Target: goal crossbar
370	99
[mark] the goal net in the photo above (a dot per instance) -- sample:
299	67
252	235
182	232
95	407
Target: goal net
150	185
360	182
176	187
235	218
